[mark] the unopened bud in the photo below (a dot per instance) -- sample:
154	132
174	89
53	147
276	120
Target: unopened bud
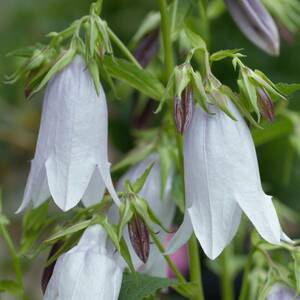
256	23
147	48
139	237
183	110
48	271
265	105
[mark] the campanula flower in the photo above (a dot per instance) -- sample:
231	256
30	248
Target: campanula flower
71	160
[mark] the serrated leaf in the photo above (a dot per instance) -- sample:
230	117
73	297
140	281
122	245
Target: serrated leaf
140	79
138	286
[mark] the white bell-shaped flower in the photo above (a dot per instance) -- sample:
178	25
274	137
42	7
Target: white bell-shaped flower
90	270
221	181
71	160
163	207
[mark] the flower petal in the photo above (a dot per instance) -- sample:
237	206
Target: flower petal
182	235
256	23
95	190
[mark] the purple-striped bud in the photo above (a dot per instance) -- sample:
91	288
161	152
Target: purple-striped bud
265	105
147	48
256	23
48	271
183	110
139	237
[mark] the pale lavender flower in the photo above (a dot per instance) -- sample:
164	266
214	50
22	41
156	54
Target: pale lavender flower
221	181
256	23
90	270
71	160
282	292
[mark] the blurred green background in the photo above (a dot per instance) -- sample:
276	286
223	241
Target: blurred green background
24	22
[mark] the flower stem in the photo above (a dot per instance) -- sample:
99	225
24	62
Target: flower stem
226	276
123	48
167	258
204	22
245	282
166	37
169	66
195	268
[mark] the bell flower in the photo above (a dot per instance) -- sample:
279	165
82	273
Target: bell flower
221	181
90	270
163	207
71	160
256	23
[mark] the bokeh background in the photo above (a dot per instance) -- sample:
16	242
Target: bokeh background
24	22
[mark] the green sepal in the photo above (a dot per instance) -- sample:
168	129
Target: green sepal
126	213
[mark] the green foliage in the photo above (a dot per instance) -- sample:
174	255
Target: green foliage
138	286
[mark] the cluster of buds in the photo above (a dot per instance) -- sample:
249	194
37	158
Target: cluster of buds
42	62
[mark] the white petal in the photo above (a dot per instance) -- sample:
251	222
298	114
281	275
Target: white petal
95	190
222	176
87	271
182	235
73	135
37	188
106	177
264	217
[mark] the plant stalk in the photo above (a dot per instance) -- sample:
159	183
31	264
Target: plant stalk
226	276
245	282
195	268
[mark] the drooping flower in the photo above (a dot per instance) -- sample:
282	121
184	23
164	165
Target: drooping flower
221	181
71	160
282	292
163	207
256	23
90	270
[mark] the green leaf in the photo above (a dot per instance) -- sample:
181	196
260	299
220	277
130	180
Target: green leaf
133	157
288	89
139	286
222	54
65	60
68	231
126	214
138	78
195	39
3	219
10	287
139	183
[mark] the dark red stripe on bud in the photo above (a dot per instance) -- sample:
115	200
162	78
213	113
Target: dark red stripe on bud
48	271
265	105
139	237
183	110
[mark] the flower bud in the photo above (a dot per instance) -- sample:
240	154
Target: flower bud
139	237
48	271
147	48
183	110
265	105
256	23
